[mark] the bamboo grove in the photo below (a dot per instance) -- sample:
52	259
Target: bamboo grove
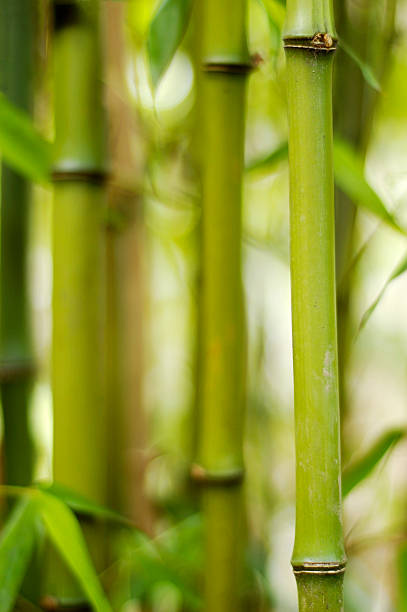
202	237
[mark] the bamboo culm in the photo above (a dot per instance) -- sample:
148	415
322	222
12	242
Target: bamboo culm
370	32
17	26
318	557
79	291
219	462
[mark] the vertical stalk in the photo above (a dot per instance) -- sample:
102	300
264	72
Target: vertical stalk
125	285
219	467
79	218
318	557
369	30
16	359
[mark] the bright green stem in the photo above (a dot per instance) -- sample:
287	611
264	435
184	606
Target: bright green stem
318	548
222	335
224	546
220	449
77	363
320	593
79	262
305	18
16	72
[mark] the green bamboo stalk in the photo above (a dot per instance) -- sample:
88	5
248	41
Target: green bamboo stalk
318	557
79	292
369	31
17	25
219	467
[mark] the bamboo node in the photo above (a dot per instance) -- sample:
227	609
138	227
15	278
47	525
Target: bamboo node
11	371
52	604
229	68
203	477
325	569
321	41
80	175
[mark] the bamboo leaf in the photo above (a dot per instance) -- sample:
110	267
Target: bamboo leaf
275	15
21	146
167	30
79	503
280	153
16	547
364	466
349	176
65	532
365	69
398	271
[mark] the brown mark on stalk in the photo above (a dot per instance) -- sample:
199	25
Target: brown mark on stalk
201	476
321	41
230	68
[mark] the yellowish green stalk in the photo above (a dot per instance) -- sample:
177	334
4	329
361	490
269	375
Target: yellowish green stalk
79	216
219	468
318	557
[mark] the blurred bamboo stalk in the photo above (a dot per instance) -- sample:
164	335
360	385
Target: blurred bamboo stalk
79	252
17	25
368	29
219	462
318	557
125	285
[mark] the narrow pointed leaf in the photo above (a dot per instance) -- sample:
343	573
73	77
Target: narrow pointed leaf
16	547
364	466
65	532
21	146
364	67
79	503
398	271
275	16
280	153
349	176
167	30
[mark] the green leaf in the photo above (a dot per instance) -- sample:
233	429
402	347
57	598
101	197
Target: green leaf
21	146
398	271
279	154
16	547
349	176
167	30
174	557
82	505
364	466
65	532
275	16
365	69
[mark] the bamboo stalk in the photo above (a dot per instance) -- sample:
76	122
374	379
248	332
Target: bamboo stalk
16	358
125	285
219	468
369	31
79	217
318	557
